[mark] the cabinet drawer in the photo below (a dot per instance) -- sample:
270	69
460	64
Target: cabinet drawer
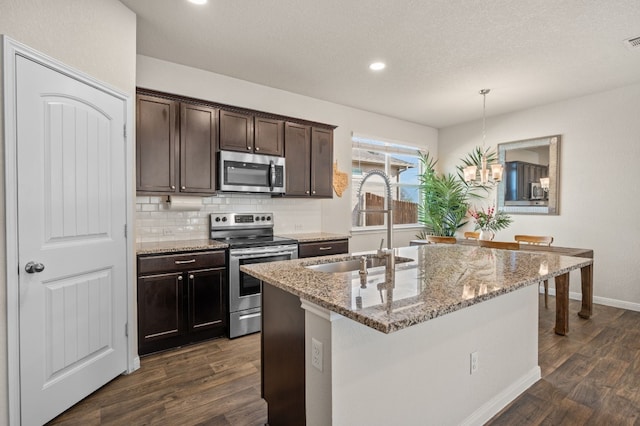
323	248
180	262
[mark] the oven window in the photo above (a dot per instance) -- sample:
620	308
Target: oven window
250	285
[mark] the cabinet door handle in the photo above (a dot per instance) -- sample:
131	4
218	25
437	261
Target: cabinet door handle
306	192
248	147
173	187
182	262
325	248
257	148
314	192
191	276
179	277
183	187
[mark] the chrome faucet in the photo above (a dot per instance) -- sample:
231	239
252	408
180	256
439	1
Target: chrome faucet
389	203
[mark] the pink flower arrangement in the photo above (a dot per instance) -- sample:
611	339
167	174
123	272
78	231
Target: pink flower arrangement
490	220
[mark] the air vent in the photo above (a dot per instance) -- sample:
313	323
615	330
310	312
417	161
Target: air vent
632	43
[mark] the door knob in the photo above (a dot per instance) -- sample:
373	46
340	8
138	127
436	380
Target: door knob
33	267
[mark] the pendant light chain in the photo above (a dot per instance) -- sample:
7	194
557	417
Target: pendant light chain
484	117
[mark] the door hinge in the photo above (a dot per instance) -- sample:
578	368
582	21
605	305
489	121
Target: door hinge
125	231
124	128
126	329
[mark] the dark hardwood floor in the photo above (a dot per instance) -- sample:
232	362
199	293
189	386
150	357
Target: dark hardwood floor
590	377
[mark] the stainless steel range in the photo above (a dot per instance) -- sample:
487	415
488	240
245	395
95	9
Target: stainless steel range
251	240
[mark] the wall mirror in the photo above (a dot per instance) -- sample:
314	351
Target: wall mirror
530	182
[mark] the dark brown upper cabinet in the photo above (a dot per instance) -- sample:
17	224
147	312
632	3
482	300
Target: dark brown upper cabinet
156	144
297	159
198	136
246	133
176	147
236	131
309	161
269	136
178	139
321	162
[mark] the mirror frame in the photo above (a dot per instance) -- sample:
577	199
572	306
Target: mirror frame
552	207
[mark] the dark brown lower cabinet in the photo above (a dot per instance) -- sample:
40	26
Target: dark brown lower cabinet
283	372
176	308
323	248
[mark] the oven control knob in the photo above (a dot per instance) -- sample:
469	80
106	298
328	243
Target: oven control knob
263	218
224	218
217	218
268	217
257	218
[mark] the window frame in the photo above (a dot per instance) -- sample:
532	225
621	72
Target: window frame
388	148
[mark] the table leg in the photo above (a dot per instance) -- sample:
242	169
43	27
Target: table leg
562	304
586	275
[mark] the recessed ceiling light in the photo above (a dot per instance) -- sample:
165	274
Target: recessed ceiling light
198	1
377	66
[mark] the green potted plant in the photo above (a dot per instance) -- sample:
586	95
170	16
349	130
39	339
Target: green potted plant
445	201
446	198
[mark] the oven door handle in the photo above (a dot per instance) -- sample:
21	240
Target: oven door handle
266	254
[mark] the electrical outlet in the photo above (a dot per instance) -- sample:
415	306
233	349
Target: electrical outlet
474	362
316	354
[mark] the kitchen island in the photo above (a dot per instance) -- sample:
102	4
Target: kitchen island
451	339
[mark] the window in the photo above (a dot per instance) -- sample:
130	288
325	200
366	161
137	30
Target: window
402	164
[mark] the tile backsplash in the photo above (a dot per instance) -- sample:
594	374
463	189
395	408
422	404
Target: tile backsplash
155	222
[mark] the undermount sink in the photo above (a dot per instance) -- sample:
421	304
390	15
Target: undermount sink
354	264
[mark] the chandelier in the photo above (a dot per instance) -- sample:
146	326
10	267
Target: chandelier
483	176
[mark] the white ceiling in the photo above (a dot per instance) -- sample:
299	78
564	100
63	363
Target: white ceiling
439	53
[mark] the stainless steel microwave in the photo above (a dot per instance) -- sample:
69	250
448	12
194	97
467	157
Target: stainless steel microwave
242	172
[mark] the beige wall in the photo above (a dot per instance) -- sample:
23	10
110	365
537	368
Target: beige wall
97	37
599	153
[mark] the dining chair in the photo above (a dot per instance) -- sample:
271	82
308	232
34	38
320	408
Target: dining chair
503	245
537	240
441	240
470	235
534	239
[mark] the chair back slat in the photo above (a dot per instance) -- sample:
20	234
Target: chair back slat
503	245
441	240
534	239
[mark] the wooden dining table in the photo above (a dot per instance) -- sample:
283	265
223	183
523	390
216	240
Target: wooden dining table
561	281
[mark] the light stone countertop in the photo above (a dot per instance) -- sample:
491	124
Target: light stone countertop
441	278
308	237
178	246
205	244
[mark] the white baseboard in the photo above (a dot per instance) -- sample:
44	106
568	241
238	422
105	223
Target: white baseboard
498	402
615	303
622	304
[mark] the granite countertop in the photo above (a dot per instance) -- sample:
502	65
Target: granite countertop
178	246
308	237
438	280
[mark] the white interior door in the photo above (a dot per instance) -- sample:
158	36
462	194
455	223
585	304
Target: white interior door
71	221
